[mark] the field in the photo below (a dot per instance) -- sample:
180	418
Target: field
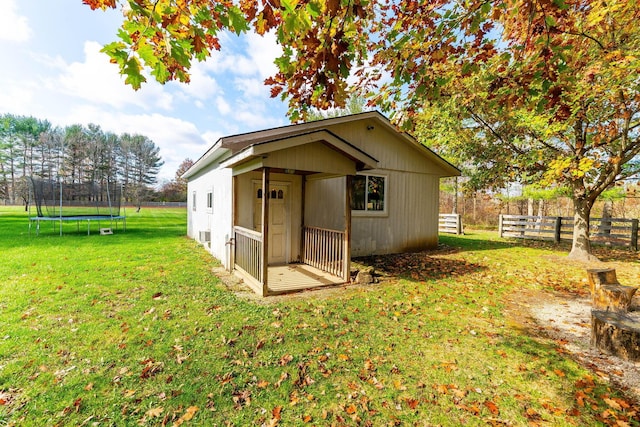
134	329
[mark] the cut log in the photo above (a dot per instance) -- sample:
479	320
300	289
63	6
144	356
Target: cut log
616	333
607	293
613	298
601	276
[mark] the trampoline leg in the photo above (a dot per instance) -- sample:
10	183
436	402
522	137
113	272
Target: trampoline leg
88	227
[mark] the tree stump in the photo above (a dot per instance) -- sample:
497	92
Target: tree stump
607	293
616	333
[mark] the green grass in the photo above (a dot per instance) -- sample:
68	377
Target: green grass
134	329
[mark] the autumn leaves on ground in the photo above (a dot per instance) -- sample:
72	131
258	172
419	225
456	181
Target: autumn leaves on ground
133	329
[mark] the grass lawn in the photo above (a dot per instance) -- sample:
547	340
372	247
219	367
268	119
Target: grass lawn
133	329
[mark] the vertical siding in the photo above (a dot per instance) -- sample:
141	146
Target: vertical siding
325	203
218	220
411	222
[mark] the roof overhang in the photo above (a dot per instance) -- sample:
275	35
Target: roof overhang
256	156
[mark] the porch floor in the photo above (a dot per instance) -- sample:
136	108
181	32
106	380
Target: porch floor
296	277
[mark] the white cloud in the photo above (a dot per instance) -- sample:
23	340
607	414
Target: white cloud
13	27
263	50
223	106
202	86
98	81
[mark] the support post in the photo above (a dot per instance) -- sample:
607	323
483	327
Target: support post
634	234
265	231
500	219
234	212
347	229
302	221
557	235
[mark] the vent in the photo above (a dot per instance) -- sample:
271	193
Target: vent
205	236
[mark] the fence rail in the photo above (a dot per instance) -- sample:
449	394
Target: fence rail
248	251
324	249
610	231
450	223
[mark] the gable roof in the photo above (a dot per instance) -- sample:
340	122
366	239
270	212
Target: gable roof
231	146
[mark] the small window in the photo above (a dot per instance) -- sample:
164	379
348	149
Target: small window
368	193
280	194
193	201
210	200
259	193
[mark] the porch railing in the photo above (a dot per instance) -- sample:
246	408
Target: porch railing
248	251
324	249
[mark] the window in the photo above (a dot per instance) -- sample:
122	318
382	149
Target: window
193	201
368	193
210	200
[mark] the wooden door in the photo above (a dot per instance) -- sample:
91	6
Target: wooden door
279	241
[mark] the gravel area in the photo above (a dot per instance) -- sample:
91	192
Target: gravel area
567	320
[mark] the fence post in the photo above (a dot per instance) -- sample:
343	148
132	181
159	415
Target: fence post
634	234
459	224
558	229
500	219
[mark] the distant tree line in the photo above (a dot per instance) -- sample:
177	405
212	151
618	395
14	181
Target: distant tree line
31	147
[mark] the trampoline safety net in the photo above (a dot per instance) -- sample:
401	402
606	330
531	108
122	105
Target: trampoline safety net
55	199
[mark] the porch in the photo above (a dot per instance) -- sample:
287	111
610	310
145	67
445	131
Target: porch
323	262
292	212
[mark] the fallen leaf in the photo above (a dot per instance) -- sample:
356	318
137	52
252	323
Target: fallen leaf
492	407
188	415
412	403
154	412
613	404
277	412
351	409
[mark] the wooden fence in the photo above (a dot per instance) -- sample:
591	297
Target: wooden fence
609	231
450	223
248	255
324	249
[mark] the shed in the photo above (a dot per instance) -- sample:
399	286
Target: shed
286	208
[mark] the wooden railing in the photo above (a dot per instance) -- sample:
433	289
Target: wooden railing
248	251
324	249
610	231
450	223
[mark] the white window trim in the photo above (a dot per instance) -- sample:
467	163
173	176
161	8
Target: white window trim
210	206
385	211
194	199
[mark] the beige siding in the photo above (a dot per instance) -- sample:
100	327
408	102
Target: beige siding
325	200
410	223
392	151
311	157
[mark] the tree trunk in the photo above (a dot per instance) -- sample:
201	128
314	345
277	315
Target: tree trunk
581	247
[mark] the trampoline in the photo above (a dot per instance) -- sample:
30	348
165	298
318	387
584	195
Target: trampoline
79	202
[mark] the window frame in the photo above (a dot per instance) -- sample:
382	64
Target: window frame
210	200
372	213
194	198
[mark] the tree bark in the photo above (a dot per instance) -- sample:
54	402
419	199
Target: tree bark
581	246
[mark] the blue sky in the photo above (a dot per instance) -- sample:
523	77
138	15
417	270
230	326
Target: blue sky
53	69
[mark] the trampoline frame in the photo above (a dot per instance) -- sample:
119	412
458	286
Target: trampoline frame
78	219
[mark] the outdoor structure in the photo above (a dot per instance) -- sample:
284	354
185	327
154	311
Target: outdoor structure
62	202
286	208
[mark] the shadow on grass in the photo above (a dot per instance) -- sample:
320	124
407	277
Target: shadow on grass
419	265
